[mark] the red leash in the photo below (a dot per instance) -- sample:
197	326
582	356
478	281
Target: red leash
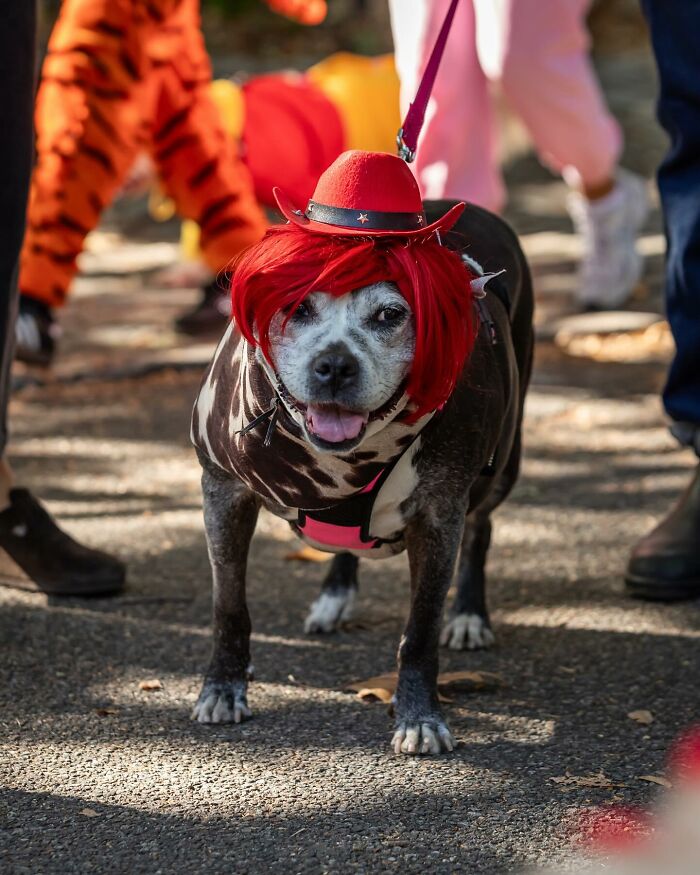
407	137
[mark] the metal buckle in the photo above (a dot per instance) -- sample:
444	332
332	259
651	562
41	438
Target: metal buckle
407	154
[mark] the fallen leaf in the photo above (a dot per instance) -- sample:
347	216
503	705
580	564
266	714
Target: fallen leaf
106	712
151	686
641	716
656	779
573	781
375	694
308	554
377	689
88	812
382	687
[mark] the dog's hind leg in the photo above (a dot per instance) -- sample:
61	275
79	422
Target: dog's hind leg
230	514
336	601
468	627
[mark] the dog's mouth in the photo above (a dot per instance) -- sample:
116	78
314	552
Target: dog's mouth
334	424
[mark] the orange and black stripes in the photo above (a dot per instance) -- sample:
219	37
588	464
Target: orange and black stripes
120	76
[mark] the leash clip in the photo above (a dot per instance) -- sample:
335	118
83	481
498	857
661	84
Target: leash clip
406	153
271	416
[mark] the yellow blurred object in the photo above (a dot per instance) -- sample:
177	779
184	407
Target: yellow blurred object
229	99
651	344
365	91
160	206
189	241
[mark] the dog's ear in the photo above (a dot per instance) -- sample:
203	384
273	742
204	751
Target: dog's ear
479	283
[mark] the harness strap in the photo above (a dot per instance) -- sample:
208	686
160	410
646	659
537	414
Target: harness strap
407	137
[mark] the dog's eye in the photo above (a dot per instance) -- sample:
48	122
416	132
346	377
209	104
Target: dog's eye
389	314
303	311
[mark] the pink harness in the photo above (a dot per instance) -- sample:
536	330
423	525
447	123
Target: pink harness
346	524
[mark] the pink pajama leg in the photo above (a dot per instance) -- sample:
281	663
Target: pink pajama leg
538	51
457	148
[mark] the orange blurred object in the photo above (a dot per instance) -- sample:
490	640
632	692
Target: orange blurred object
303	11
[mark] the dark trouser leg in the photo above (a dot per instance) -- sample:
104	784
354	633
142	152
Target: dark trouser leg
674	26
17	62
665	564
51	560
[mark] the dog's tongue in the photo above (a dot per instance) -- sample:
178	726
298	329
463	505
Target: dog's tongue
333	424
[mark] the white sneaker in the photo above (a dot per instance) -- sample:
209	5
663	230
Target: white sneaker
610	265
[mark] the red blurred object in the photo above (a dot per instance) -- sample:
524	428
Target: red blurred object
614	829
684	757
290	125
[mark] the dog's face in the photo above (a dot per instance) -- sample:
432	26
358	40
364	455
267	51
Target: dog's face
344	359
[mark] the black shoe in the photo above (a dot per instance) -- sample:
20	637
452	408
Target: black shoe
51	559
665	565
35	332
210	316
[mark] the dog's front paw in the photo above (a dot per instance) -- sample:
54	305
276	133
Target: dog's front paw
467	632
431	735
329	611
222	703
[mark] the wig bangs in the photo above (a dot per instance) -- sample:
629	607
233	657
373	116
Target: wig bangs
290	263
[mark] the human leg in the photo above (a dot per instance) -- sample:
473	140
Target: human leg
665	564
43	555
537	50
197	161
457	150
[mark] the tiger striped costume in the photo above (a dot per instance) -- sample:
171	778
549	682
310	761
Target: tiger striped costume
121	76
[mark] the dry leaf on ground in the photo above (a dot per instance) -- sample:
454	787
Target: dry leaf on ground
106	712
151	685
88	812
570	782
642	716
308	554
656	779
382	687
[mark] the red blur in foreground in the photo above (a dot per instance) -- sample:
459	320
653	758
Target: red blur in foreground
684	758
623	840
617	828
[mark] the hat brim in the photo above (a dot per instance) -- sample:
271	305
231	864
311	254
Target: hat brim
297	217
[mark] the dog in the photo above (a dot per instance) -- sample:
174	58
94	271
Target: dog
339	376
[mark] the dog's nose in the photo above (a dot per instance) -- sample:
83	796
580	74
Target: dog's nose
335	370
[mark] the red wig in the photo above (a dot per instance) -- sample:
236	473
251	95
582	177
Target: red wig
290	263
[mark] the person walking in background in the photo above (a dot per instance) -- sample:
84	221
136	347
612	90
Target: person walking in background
665	564
119	78
537	52
53	561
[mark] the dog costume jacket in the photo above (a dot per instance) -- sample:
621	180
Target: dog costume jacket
367	207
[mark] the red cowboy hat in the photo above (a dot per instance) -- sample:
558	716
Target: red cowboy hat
366	194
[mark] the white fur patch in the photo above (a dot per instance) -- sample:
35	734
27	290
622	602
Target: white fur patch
466	632
329	611
473	264
387	519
